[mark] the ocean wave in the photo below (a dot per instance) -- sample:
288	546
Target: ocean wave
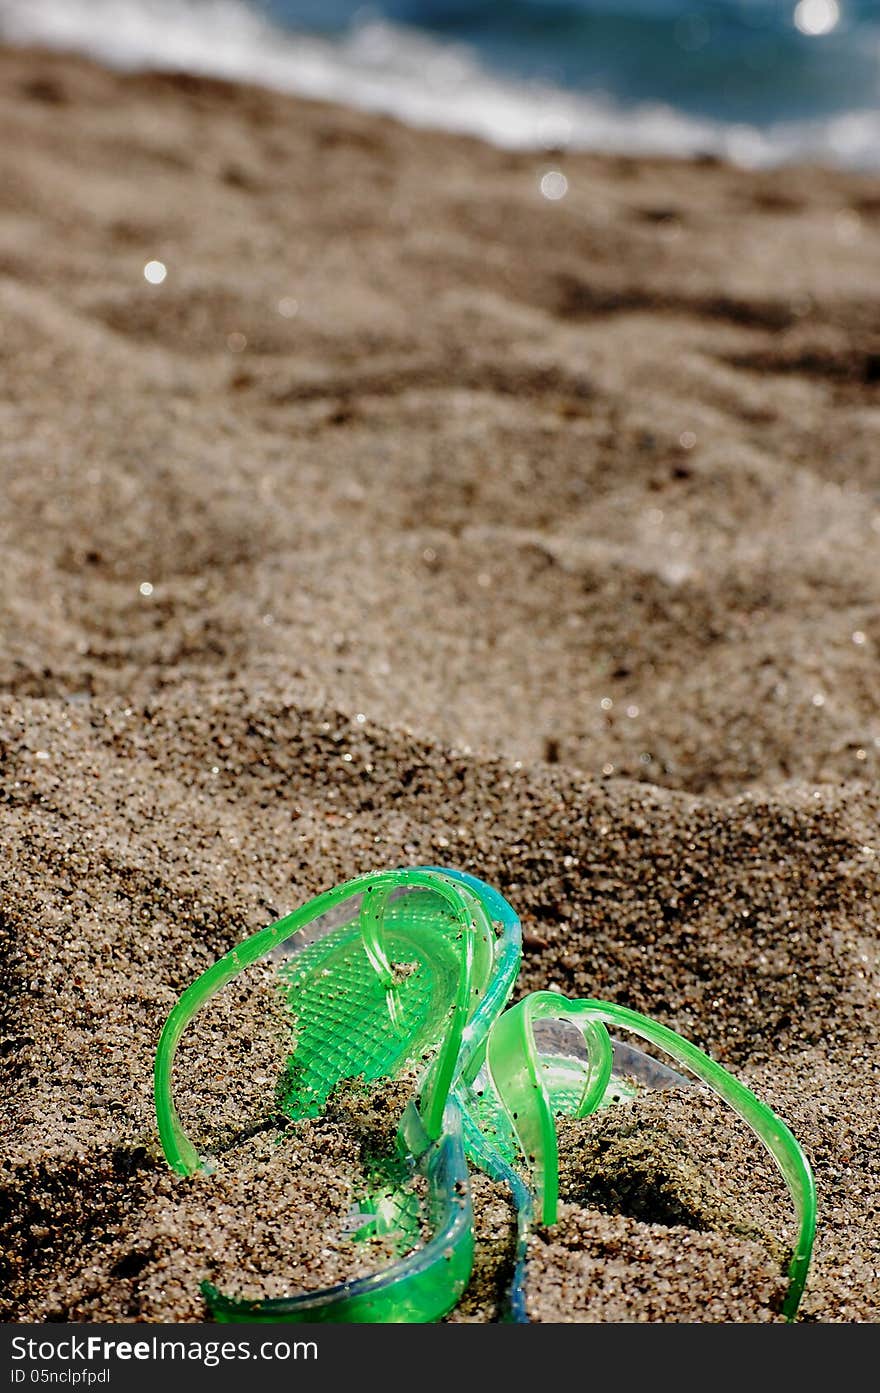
425	82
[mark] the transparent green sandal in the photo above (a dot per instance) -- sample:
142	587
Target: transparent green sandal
491	1082
533	1071
355	1014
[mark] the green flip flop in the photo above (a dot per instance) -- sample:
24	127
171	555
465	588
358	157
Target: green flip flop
355	1013
410	971
532	1072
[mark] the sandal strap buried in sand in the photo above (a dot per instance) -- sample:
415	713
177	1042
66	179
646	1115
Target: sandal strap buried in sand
410	970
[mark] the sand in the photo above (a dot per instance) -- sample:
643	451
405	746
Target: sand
414	517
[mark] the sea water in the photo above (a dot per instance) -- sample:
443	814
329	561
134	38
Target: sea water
759	81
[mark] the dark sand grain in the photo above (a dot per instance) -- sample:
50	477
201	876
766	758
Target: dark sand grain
542	540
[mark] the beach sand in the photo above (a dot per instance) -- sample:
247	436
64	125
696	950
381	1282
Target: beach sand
415	517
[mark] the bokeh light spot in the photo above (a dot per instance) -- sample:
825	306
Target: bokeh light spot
816	17
554	185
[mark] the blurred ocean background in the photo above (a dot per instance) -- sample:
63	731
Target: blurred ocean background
758	81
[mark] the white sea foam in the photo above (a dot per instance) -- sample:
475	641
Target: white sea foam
402	73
